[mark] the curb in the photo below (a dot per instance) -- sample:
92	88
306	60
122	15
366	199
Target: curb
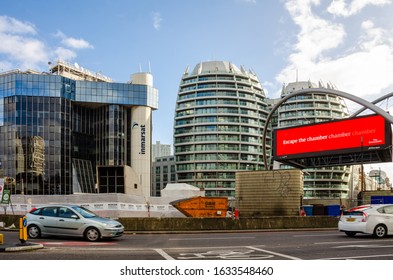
21	247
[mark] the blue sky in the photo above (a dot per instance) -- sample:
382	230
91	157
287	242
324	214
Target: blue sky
346	42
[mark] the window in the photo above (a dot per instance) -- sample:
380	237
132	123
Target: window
65	212
49	211
386	210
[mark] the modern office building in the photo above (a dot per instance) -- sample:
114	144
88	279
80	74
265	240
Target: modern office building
160	150
220	115
328	182
73	131
163	173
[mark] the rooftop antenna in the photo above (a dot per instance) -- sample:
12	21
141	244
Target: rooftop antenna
297	75
140	67
149	67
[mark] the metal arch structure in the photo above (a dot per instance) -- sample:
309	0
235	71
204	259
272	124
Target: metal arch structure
366	104
386	96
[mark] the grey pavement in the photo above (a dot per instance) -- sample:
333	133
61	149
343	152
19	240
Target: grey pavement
15	245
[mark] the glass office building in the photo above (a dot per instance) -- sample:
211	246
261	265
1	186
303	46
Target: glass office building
220	114
84	134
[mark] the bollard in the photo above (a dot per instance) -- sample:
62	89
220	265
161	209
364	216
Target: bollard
23	229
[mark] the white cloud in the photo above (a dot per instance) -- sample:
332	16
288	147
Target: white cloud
365	67
372	36
64	54
19	45
72	42
316	35
157	19
341	8
13	26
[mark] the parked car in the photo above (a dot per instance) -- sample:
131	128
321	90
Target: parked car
70	220
376	219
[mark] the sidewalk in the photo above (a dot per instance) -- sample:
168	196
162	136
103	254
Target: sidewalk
15	245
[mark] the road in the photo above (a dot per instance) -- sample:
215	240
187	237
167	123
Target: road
280	245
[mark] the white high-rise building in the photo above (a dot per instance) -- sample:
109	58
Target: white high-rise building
220	114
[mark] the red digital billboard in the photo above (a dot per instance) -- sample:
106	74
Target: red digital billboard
349	135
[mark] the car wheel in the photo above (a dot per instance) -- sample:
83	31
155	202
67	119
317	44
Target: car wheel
34	231
350	233
380	231
92	234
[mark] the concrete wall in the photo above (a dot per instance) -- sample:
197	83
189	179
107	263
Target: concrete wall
225	224
192	224
132	182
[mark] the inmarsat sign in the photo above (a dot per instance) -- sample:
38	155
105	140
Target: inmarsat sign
366	135
143	137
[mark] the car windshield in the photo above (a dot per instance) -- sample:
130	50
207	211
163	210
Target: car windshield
84	212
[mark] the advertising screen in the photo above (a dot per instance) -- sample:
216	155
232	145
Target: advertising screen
348	135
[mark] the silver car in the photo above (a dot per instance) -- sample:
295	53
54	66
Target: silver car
376	219
70	220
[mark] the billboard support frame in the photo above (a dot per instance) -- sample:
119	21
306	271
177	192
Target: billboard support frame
343	94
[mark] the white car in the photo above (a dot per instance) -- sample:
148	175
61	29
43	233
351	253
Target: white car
375	219
70	220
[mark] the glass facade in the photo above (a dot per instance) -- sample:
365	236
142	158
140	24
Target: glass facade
54	131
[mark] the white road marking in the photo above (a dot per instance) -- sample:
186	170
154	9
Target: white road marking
166	256
274	253
141	249
163	254
364	246
349	241
210	238
360	257
76	243
226	254
313	235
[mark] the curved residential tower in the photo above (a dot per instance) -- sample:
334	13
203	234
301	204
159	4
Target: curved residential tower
220	114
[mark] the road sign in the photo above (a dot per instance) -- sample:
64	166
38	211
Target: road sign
5	197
